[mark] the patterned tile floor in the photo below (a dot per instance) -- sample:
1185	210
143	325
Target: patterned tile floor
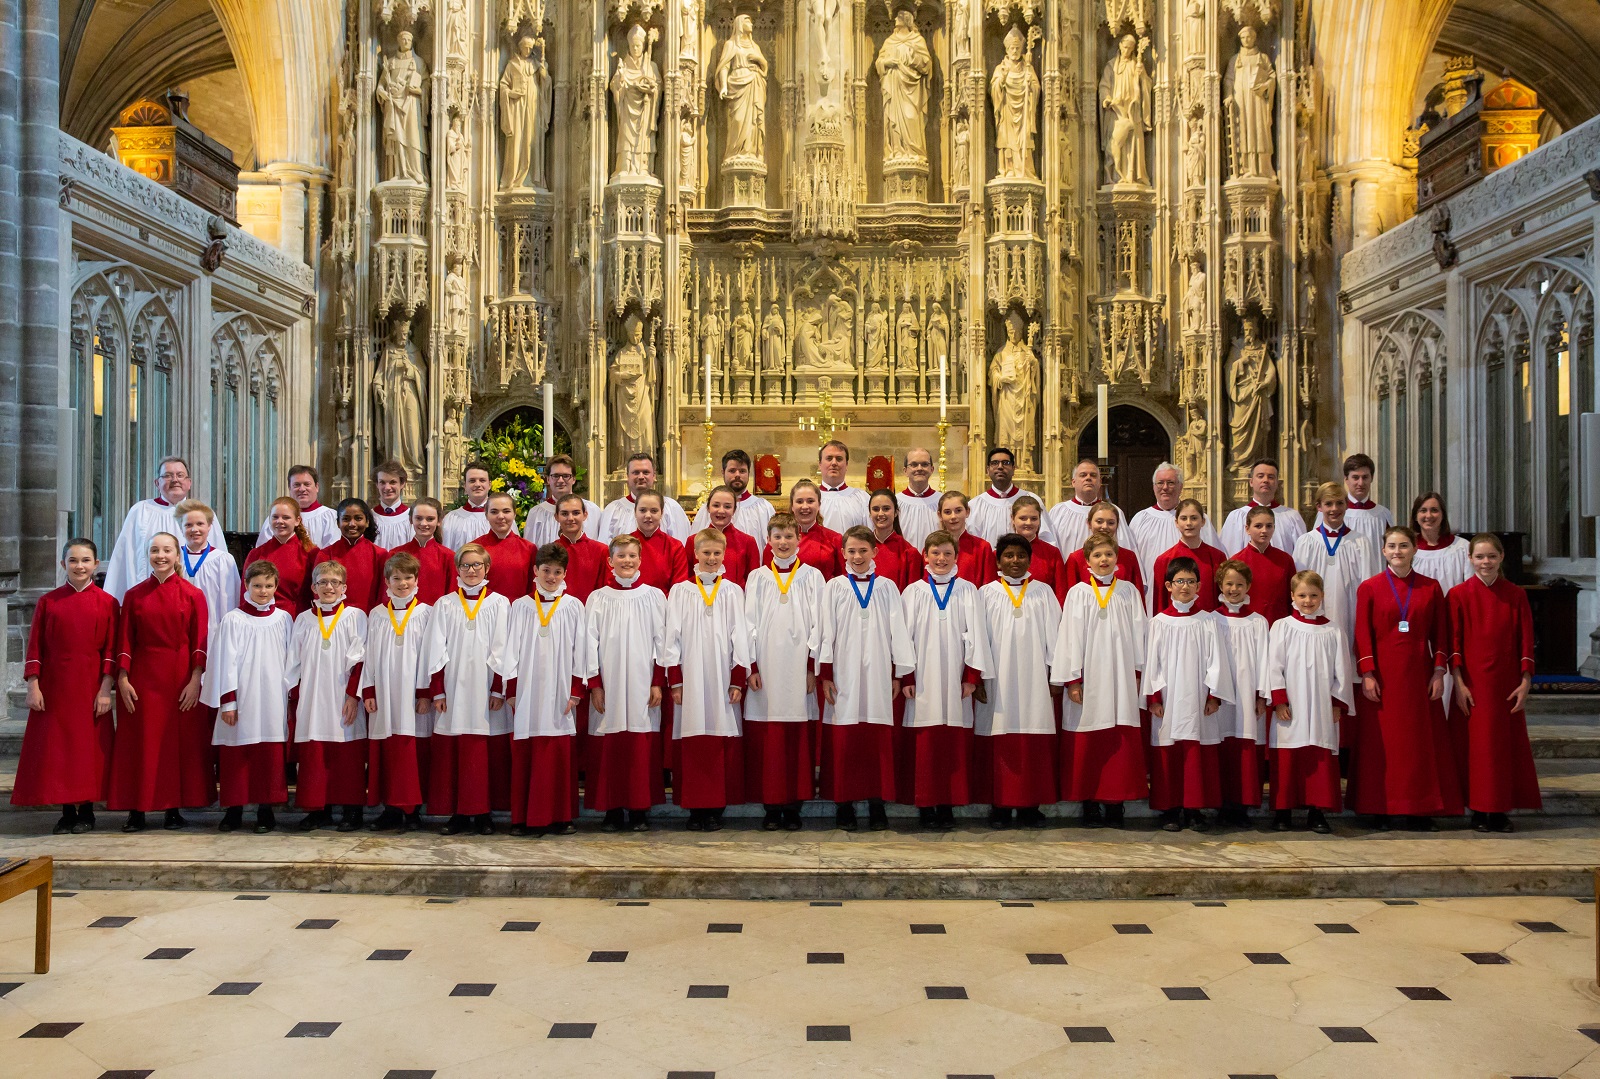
181	984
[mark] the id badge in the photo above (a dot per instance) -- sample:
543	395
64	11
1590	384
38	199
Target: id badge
1405	627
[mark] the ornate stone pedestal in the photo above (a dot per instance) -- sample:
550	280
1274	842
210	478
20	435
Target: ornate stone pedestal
1250	243
400	246
905	179
825	192
634	247
1014	270
744	181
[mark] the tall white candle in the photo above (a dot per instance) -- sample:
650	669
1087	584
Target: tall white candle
941	386
1102	430
549	420
708	385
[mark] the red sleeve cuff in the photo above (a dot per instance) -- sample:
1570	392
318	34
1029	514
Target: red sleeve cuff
425	694
1280	696
578	687
659	677
1076	682
197	659
436	685
228	698
107	666
1366	665
30	669
908	679
124	661
737	677
1527	667
352	687
1155	698
496	687
826	672
971	675
675	676
511	687
755	668
1339	708
369	693
1212	698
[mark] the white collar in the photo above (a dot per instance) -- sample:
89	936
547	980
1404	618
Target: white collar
1015	581
1182	608
1234	608
470	592
267	606
626	582
700	576
400	603
943	578
1106	579
785	563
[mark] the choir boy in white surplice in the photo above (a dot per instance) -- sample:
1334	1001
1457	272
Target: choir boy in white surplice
394	692
245	661
210	569
865	650
1015	751
705	648
1243	720
782	605
548	661
471	741
330	731
626	620
1187	676
952	659
1098	656
1310	675
1333	551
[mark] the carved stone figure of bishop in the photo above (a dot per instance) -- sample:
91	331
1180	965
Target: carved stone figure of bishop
1249	88
524	117
1125	91
636	89
397	390
1014	88
1252	380
1014	381
633	393
904	65
403	93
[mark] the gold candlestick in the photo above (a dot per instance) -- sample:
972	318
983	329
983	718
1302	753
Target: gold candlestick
710	473
944	427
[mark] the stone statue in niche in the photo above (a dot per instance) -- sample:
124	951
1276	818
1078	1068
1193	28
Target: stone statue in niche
877	343
1249	88
1014	378
1252	379
711	341
1194	28
1194	155
938	338
457	317
824	13
1194	302
960	30
1014	87
961	153
398	394
1125	89
636	88
772	342
689	30
822	340
907	338
904	65
742	84
524	116
403	93
633	392
744	341
456	29
456	156
1192	447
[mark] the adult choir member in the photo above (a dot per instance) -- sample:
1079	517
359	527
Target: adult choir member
1190	519
511	556
991	507
750	514
321	522
465	523
129	563
560	477
919	502
1070	518
1152	531
894	558
1441	554
361	558
1365	517
819	545
1270	567
975	559
436	563
390	509
209	569
1047	565
742	553
292	551
843	507
617	518
1263	481
1310	675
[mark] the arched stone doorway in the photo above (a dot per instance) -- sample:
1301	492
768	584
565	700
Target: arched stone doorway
1138	443
530	417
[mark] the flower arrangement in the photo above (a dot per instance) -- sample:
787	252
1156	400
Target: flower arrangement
514	453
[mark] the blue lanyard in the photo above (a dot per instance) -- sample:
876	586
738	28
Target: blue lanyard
934	587
872	582
1388	576
189	570
1333	550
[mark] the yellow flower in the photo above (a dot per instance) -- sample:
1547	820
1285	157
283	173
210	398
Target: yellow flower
499	483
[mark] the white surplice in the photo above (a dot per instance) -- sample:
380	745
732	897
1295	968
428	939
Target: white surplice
845	507
750	516
1288	526
542	527
217	577
625	628
1370	524
323	674
617	519
1449	565
784	642
321	524
1070	520
1312	665
463	525
705	643
946	642
1103	647
1246	639
468	651
1186	659
394	531
544	659
245	656
1152	532
1343	569
919	516
129	562
868	647
393	668
989	516
1022	642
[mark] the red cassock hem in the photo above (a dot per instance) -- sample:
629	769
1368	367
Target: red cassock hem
252	775
710	772
544	780
331	773
397	771
1242	771
935	765
857	762
65	759
1014	770
1184	775
1305	777
162	758
1402	762
1104	766
777	761
1494	761
459	774
500	771
624	771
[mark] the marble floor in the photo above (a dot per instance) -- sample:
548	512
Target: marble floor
205	984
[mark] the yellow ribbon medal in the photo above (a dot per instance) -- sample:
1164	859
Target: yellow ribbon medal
1016	597
544	619
784	583
400	626
472	611
1099	598
326	629
712	597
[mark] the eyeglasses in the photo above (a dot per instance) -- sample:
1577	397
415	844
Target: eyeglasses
473	565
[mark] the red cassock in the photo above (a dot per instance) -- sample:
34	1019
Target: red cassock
661	560
1270	573
1491	627
438	573
898	561
1207	557
975	560
510	564
587	565
1127	569
162	758
66	747
1047	568
1401	761
821	548
737	561
363	567
294	572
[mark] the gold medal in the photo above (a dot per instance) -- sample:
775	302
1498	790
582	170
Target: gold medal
1016	597
544	619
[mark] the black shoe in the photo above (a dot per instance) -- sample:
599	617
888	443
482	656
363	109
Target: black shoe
457	824
1421	824
928	817
85	821
1318	822
1197	820
266	820
232	819
1283	821
1480	821
999	818
1171	820
1032	817
483	824
317	818
1236	816
173	821
638	820
521	831
712	820
844	816
135	821
69	817
696	822
613	821
1500	822
391	819
772	820
1382	822
350	819
1114	817
877	816
947	818
413	822
562	827
1092	816
791	819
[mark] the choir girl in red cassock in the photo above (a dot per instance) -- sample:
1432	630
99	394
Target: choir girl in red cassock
1103	519
1270	567
586	558
1492	633
1048	566
436	563
1191	521
975	558
361	558
72	648
161	757
511	565
743	553
895	558
1401	761
819	545
291	550
662	562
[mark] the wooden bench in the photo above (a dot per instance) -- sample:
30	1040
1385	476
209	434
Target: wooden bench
36	874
